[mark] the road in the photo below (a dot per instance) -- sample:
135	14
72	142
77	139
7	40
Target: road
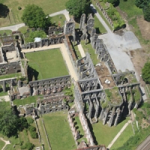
17	26
145	145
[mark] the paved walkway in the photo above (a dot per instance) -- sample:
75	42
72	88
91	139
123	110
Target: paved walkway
6	143
17	26
81	50
65	55
119	133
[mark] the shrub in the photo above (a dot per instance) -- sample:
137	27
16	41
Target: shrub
29	120
33	134
28	146
31	129
19	8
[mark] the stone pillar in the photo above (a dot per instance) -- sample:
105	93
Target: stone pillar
4	86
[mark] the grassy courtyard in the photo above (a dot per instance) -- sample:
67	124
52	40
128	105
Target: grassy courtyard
14	16
59	131
105	134
47	64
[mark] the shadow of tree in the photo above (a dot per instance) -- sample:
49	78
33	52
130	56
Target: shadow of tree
4	10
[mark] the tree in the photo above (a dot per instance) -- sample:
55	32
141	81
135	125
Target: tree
33	35
78	7
146	73
34	17
8	123
4	10
146	11
114	2
141	3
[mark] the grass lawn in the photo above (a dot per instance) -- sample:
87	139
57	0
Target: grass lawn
128	132
8	32
14	17
88	48
59	131
42	133
1	144
13	75
28	100
105	134
4	105
3	93
48	64
98	26
130	9
23	29
58	20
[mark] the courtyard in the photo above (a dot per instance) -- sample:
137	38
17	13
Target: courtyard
47	64
59	132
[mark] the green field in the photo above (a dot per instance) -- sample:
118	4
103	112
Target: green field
28	100
105	134
14	17
1	144
59	131
48	64
128	132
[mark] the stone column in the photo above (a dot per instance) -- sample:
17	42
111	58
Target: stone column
4	86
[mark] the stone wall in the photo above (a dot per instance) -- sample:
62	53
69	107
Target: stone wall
50	86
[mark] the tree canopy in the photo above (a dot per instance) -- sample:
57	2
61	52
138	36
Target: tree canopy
146	11
114	2
35	34
34	17
10	124
141	3
78	7
146	73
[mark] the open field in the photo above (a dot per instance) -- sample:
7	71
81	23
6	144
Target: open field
59	131
88	48
14	17
105	134
128	132
47	64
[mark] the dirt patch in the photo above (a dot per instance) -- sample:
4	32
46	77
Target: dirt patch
144	28
139	58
